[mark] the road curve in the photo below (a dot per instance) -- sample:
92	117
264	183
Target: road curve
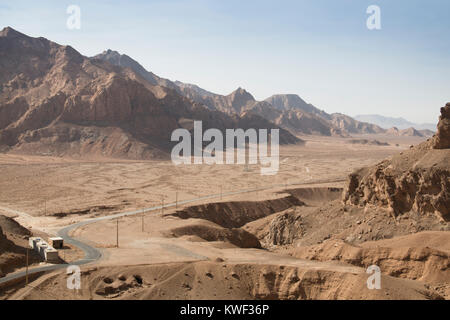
92	254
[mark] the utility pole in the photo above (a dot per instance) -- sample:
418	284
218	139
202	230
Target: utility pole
176	199
26	271
117	232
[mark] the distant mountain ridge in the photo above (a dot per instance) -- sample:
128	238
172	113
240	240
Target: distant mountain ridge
389	122
288	111
410	132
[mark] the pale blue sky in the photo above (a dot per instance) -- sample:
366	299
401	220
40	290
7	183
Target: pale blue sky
319	49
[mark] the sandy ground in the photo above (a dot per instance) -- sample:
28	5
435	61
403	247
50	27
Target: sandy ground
43	186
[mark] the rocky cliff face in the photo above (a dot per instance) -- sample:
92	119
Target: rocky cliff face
417	179
284	229
442	138
421	263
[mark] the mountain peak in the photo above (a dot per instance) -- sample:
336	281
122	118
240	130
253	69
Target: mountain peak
108	55
240	100
117	58
111	52
9	32
242	92
123	60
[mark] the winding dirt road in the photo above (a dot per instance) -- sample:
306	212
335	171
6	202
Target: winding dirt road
92	254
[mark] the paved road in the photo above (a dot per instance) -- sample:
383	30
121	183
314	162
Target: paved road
92	254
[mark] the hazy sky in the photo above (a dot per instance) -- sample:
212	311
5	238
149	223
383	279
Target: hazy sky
319	49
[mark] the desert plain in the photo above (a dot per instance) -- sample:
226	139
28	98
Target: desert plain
219	231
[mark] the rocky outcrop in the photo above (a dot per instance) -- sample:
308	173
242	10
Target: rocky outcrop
238	213
417	179
284	229
425	191
442	138
424	264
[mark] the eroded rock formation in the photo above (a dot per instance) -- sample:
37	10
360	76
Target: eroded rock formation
442	138
417	179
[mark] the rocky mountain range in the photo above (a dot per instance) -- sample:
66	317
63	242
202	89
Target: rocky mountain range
288	111
55	101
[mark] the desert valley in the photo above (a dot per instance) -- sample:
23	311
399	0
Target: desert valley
85	148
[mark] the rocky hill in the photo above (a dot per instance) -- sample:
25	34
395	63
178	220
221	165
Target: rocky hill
389	122
417	179
409	132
